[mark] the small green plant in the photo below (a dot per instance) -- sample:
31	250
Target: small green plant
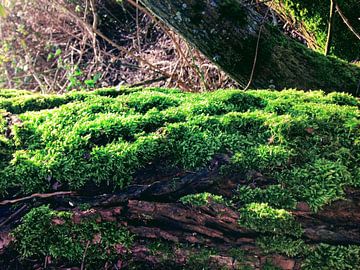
261	217
327	257
274	195
280	244
200	260
202	199
44	232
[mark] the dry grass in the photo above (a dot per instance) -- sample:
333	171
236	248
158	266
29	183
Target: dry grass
55	46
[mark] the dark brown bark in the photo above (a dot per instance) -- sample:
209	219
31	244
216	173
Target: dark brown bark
216	225
152	212
227	32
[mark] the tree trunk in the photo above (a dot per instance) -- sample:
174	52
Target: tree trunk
227	33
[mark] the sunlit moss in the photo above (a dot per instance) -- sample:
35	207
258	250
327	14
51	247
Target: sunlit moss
307	142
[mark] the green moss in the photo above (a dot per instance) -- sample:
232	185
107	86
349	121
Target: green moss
269	266
202	199
313	15
44	232
200	260
18	101
307	144
21	104
260	217
10	93
279	244
196	12
275	195
231	9
329	257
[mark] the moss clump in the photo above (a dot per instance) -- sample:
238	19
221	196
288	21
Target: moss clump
44	232
275	195
19	101
6	146
318	183
202	199
306	143
261	217
280	244
9	93
324	256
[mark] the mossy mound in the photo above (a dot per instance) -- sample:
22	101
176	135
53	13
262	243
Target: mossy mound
314	16
306	143
45	232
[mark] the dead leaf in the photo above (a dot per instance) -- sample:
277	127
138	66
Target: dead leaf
310	130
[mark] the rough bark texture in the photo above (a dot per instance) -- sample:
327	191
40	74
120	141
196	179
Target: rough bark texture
227	32
213	225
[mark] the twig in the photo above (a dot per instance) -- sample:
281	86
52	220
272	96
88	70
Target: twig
346	21
13	215
84	255
137	26
37	195
93	31
330	27
154	68
94	27
168	33
257	51
162	78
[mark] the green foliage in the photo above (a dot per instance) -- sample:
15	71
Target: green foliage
314	17
44	232
274	195
202	199
261	217
2	11
269	266
280	244
327	257
318	183
8	93
200	260
306	143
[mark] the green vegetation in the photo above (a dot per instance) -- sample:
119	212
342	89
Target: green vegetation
305	147
262	218
45	232
308	142
201	199
329	257
280	244
313	15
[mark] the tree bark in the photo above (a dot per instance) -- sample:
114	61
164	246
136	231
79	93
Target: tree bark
152	213
227	32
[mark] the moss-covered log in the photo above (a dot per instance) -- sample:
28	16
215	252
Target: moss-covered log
227	32
170	180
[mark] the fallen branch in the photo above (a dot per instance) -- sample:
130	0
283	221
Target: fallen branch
346	21
13	215
37	195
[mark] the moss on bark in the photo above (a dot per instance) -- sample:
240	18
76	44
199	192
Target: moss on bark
304	147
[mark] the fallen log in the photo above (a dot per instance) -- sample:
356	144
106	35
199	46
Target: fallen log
254	178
